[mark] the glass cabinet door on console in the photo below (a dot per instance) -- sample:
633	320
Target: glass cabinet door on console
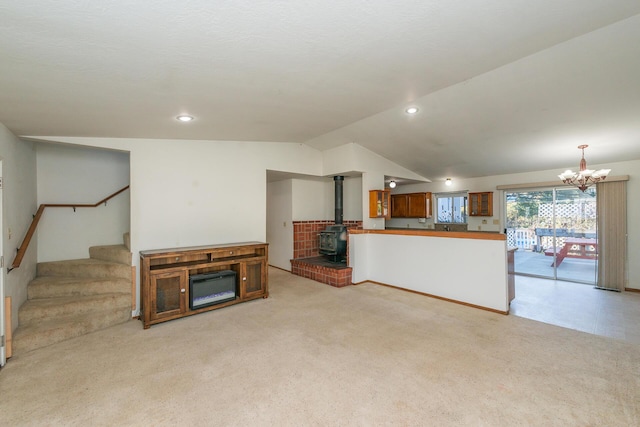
252	280
168	294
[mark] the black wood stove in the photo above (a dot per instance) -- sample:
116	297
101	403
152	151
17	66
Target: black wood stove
333	240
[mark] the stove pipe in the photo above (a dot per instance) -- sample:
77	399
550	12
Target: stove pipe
338	180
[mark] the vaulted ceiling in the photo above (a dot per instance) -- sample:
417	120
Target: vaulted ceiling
502	86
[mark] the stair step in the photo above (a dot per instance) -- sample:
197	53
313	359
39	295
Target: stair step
71	298
84	268
46	309
113	253
59	286
35	335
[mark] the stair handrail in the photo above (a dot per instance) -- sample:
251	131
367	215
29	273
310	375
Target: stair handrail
22	250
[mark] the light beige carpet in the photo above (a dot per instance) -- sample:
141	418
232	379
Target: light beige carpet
316	355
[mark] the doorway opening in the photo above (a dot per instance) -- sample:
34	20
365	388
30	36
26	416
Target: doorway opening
555	231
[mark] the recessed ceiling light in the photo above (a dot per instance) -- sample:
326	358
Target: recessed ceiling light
448	181
392	184
184	118
411	110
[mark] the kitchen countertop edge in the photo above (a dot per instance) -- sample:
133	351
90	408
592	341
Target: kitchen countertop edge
433	233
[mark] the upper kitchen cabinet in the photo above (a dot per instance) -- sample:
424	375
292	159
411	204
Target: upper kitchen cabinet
379	202
481	204
399	206
411	205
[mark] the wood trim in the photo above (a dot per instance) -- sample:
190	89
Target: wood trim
95	205
433	233
493	310
8	349
557	183
281	269
632	290
133	288
22	250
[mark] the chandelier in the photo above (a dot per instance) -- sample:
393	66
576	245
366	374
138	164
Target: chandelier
584	178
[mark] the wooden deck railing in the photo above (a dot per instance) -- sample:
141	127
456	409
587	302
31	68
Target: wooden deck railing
22	250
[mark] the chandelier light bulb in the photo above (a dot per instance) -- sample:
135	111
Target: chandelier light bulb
584	178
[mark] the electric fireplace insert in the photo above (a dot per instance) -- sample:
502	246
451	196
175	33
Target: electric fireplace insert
211	288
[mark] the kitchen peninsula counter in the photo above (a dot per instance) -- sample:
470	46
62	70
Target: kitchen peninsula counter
484	235
468	267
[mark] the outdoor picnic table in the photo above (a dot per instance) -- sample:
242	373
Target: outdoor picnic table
574	248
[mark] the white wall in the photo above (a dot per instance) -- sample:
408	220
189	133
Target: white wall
304	200
352	202
431	265
374	168
311	200
279	223
71	174
18	206
489	183
187	193
315	200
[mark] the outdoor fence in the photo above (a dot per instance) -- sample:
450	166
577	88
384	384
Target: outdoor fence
539	239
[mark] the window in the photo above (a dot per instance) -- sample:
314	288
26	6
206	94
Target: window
452	208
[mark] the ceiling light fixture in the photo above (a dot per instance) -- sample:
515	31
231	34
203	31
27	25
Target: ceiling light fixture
584	178
184	118
392	184
448	182
411	110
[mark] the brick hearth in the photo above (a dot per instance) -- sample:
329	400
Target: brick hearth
315	268
307	260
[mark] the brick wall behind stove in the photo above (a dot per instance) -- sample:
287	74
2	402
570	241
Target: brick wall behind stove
305	236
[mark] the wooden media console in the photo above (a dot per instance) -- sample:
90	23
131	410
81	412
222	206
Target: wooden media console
165	277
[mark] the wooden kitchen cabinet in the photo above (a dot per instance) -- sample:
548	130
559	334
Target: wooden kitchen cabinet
166	276
379	204
481	204
419	205
399	205
411	205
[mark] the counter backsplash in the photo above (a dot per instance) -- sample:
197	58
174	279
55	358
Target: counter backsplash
451	227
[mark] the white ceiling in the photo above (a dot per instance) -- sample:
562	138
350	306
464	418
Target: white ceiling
503	86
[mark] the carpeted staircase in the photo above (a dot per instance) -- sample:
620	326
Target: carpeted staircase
75	297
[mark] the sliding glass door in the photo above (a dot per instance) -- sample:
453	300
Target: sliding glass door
575	230
554	230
